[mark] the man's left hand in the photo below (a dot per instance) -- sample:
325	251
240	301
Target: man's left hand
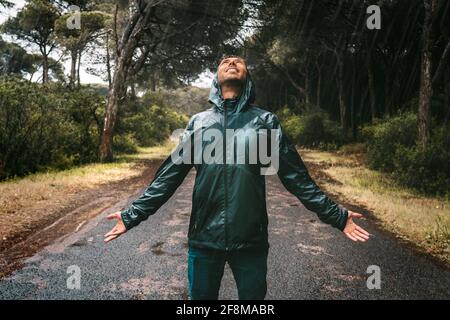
353	231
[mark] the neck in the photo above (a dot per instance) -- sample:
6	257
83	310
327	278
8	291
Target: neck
230	90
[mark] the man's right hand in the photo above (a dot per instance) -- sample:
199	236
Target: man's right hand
118	230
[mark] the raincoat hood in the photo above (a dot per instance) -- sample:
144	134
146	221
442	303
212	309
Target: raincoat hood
246	97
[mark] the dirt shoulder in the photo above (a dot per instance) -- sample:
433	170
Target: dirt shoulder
418	221
43	207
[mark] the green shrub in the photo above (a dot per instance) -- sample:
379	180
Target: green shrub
385	136
150	126
84	112
124	143
392	147
426	170
45	126
49	126
311	129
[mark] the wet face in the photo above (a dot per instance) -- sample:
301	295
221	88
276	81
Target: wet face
232	70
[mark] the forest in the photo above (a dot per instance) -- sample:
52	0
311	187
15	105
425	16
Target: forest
372	77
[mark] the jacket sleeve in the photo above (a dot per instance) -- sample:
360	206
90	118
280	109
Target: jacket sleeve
167	179
296	179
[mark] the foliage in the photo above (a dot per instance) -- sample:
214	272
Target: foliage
311	128
186	99
15	60
44	126
392	147
35	24
384	137
149	121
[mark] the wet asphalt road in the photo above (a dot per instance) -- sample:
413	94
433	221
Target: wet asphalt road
307	259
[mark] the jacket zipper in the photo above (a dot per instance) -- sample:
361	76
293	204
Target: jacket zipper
225	173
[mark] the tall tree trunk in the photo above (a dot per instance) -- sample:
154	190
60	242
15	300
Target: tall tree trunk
371	83
73	67
45	68
352	105
78	69
319	84
124	56
116	94
343	111
307	85
426	89
341	98
108	62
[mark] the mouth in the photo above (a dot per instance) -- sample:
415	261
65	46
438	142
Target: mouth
231	68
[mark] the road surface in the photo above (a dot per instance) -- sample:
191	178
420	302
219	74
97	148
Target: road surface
307	259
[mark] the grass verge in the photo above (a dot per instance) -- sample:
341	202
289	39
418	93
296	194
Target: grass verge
32	202
421	220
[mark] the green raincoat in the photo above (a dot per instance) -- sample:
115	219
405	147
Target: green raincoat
229	199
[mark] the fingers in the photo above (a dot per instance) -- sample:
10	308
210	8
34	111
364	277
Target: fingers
351	237
117	230
115	215
362	235
356	236
112	237
356	215
113	230
362	231
359	236
113	234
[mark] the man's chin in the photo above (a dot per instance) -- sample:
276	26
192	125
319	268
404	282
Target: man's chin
233	81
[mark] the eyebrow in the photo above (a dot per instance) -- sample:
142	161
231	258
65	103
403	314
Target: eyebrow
227	59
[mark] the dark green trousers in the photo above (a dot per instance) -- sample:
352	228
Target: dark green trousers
206	266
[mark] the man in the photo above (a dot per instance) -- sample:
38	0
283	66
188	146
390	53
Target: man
229	218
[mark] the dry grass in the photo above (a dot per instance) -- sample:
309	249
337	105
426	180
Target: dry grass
425	221
20	198
156	152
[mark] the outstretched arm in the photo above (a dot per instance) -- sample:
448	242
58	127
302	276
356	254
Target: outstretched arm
167	179
296	179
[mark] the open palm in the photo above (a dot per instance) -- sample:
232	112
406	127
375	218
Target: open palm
119	228
353	231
